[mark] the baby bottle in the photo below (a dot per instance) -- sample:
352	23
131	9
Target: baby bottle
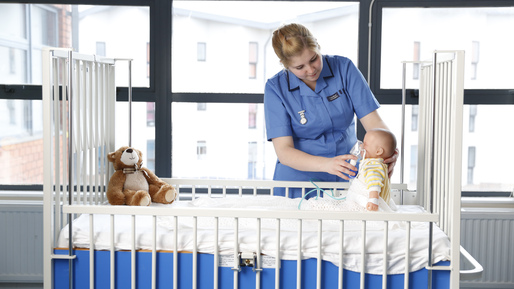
356	151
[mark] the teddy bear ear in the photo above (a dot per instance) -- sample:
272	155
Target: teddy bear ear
111	157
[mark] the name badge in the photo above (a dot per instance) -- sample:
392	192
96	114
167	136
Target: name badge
333	97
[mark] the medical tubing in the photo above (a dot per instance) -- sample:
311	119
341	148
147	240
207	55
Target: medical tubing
318	189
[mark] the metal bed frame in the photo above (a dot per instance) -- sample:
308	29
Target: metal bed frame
79	98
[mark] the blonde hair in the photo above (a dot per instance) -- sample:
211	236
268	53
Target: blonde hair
290	40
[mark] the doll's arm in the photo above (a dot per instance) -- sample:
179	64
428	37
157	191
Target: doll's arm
374	177
373	200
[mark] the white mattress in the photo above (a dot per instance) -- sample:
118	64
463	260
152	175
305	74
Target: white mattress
288	235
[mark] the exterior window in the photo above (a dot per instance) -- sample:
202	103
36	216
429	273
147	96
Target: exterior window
253	53
415	69
465	28
47	18
12	61
415	114
201	51
150	114
201	106
148	60
475	51
252	160
100	48
201	149
238	34
471	164
150	155
472	116
252	115
413	163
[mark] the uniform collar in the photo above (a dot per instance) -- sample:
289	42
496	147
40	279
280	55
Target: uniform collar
295	83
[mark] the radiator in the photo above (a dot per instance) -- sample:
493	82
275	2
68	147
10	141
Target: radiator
489	237
21	243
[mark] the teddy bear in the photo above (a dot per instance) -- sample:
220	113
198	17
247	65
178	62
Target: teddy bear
134	185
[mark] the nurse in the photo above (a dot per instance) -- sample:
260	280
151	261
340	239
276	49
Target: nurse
310	110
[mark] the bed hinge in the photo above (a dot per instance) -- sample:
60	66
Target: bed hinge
53	256
247	259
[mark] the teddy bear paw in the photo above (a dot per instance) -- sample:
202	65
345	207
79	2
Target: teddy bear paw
170	195
145	201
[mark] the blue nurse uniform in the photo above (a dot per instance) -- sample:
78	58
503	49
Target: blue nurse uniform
341	92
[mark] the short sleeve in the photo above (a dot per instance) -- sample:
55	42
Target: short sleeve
364	102
278	121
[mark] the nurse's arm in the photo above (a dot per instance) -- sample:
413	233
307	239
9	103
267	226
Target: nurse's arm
373	120
290	156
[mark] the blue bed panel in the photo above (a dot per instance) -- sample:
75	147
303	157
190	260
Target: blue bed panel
246	278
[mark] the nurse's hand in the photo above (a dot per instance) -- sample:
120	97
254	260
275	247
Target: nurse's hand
391	162
340	165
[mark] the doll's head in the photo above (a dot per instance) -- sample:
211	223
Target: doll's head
379	143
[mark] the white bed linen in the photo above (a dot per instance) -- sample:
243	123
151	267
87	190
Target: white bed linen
288	235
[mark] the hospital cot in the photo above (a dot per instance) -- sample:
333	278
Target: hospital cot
235	233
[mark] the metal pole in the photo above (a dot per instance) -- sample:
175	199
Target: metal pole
70	164
432	163
402	144
130	100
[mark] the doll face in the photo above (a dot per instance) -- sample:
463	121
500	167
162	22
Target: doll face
306	66
129	157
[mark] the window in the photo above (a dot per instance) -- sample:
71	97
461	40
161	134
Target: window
252	115
391	114
45	16
201	106
33	27
229	27
482	169
100	48
413	164
21	145
150	160
201	149
471	164
416	53
252	160
201	51
475	45
150	114
232	81
477	31
472	117
143	128
238	35
252	55
415	115
12	60
147	60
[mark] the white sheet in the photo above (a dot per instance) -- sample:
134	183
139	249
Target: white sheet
288	236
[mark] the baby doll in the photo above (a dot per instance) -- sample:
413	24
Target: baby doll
378	144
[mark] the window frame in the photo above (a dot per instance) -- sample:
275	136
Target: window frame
393	96
160	92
